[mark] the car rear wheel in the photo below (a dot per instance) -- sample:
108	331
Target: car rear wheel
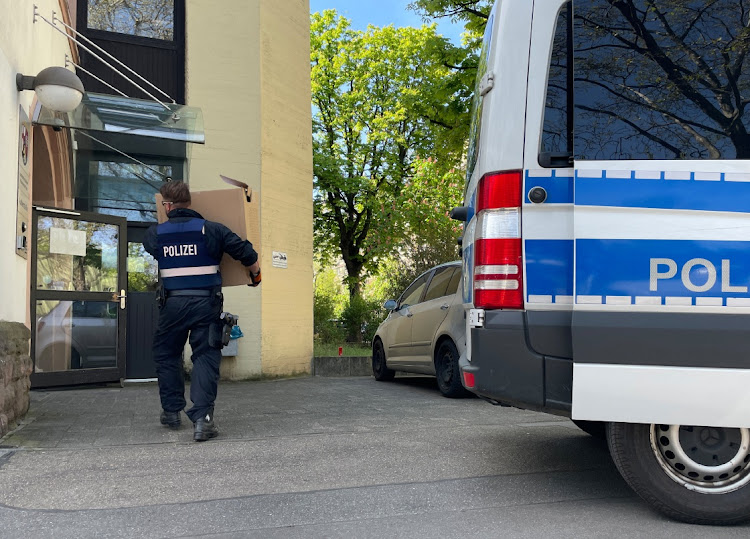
447	371
379	369
699	475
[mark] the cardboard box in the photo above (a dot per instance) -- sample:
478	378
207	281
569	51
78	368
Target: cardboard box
236	208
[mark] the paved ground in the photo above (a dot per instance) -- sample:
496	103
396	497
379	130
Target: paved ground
313	457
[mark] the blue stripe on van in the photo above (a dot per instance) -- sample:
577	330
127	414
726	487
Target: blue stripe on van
705	195
549	267
623	268
559	188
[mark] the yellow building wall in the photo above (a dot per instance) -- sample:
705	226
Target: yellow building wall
25	47
286	196
248	70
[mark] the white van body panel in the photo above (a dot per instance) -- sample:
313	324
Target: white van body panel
625	393
504	106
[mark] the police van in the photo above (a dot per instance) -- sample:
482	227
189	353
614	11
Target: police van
606	249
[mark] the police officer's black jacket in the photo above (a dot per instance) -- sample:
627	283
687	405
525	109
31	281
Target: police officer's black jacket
218	239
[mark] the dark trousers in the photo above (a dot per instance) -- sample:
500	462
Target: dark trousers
179	317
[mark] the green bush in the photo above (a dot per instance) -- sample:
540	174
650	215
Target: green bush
361	318
329	300
327	328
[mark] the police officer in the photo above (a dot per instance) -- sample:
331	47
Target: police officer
189	249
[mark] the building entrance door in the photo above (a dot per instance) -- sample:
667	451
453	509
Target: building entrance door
143	314
78	297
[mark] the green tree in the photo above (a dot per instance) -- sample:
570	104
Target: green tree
473	13
329	302
382	99
431	237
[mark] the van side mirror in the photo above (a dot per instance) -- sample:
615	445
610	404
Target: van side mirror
390	305
460	213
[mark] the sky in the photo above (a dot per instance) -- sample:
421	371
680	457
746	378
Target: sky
382	13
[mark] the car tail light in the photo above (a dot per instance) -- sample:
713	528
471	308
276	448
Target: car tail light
468	380
498	258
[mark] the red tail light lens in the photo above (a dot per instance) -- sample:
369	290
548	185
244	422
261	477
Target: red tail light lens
499	190
469	380
498	276
498	256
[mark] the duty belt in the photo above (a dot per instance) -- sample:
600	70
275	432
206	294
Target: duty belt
197	292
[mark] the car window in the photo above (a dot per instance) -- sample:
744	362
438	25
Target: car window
454	282
414	292
439	284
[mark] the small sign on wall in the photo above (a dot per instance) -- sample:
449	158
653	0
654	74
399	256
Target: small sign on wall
278	259
22	206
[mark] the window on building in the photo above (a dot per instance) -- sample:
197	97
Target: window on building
124	184
144	18
662	79
124	189
557	131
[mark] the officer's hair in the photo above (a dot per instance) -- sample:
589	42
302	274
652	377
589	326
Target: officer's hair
175	191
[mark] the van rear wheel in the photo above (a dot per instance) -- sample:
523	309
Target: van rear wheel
699	475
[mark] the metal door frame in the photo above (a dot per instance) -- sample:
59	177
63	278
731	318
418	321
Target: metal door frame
81	376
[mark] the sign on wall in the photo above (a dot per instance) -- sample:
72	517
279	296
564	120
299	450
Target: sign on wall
278	259
22	205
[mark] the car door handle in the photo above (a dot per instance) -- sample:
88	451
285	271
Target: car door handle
409	315
445	306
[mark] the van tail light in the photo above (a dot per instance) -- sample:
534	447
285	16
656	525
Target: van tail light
498	256
468	380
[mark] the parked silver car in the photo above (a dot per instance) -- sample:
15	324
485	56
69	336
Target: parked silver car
425	331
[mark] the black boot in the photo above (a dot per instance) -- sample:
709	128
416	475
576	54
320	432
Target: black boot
170	419
204	428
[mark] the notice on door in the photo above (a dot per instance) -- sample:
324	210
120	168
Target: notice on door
63	241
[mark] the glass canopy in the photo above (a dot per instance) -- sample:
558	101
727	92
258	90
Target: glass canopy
127	115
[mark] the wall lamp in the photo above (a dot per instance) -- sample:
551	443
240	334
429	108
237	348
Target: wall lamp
57	88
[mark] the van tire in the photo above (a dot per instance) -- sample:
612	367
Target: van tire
380	370
635	456
597	429
447	372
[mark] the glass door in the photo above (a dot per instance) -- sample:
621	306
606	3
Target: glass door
78	297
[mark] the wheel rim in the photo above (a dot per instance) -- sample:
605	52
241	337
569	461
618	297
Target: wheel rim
710	460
